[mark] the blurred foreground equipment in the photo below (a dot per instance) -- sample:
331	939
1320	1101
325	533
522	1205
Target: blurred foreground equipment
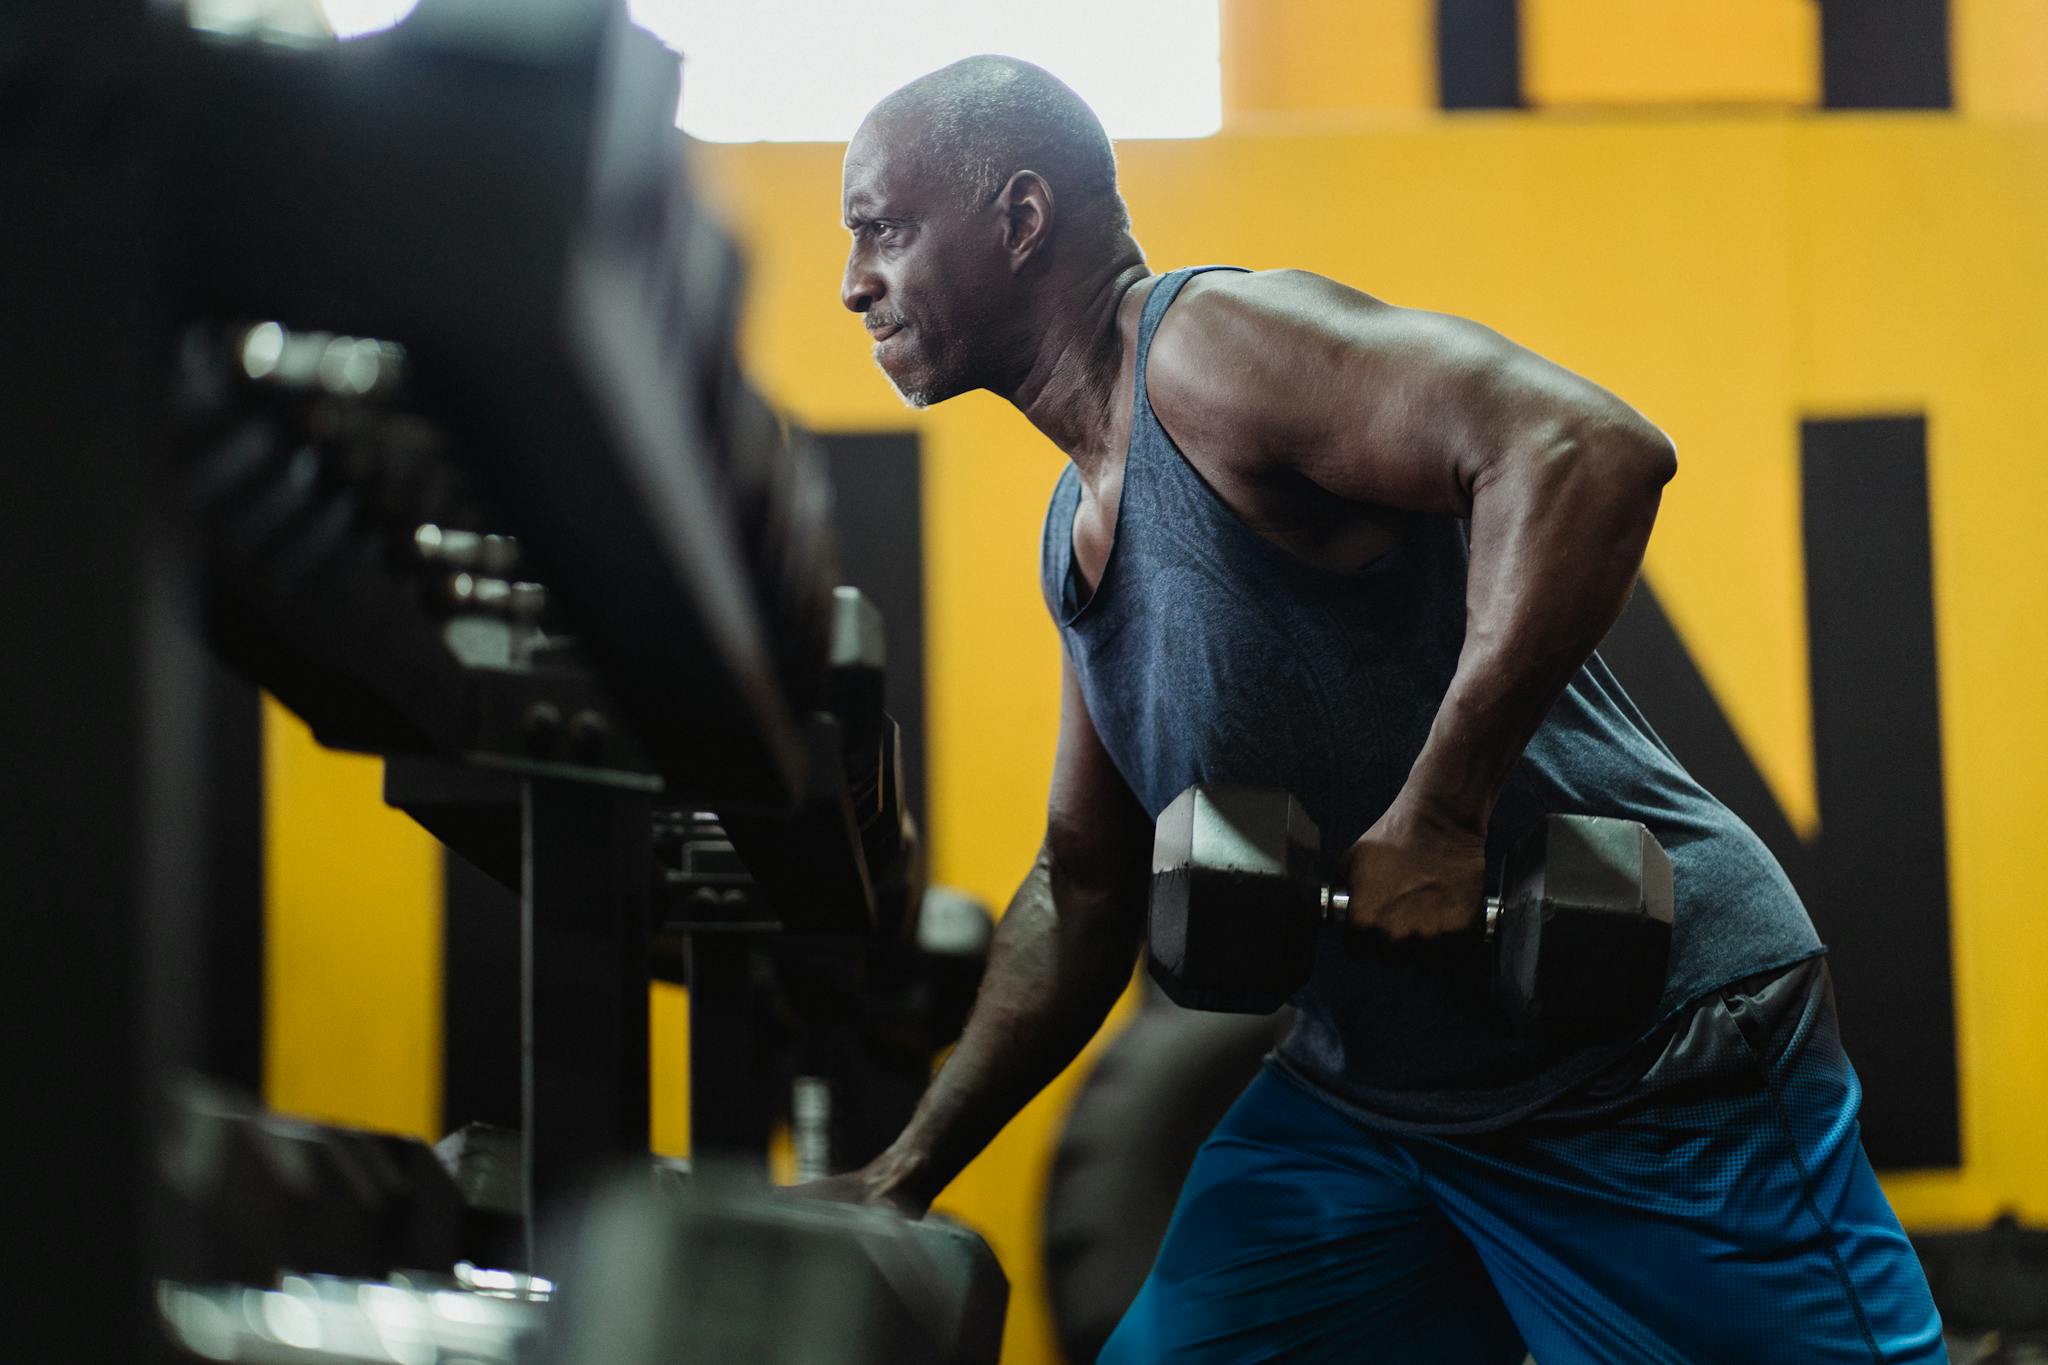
400	373
1991	1285
264	1196
746	1275
499	190
482	1318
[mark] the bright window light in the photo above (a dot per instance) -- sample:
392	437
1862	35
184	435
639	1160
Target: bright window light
806	70
353	18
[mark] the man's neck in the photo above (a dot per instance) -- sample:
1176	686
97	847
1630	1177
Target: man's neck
1077	354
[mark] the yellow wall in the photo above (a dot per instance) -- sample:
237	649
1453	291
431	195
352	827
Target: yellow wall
1348	57
1345	57
1727	275
1327	57
1944	307
1999	49
352	1029
1627	52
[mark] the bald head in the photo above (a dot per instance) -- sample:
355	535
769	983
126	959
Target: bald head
984	215
981	120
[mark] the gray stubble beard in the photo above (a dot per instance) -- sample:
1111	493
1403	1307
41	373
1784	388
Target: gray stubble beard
914	399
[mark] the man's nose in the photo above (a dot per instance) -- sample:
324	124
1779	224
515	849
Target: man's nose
859	289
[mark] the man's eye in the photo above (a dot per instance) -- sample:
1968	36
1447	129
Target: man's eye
881	232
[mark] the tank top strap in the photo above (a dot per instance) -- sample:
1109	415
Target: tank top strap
1149	469
1146	432
1056	544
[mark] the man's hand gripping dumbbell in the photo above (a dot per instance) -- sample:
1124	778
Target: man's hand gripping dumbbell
1581	929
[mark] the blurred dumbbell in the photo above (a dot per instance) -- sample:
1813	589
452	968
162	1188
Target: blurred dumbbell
748	1274
873	750
782	499
268	1194
807	570
1580	931
951	943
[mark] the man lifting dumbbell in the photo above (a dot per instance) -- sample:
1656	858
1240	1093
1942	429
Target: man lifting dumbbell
1581	930
1311	541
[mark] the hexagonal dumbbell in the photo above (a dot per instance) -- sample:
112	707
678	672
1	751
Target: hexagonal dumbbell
1581	930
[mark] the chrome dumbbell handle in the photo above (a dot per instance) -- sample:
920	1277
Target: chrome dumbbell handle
1335	908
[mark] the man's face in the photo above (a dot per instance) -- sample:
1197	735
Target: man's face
923	270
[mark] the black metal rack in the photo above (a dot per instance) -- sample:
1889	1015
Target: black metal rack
497	195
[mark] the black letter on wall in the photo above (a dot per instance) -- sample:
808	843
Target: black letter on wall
1876	880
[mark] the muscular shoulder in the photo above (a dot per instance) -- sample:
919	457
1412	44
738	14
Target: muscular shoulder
1285	372
1241	359
1241	316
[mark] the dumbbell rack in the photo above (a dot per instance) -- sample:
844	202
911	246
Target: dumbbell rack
155	172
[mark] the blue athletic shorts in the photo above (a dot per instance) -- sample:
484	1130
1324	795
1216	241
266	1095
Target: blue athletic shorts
1714	1207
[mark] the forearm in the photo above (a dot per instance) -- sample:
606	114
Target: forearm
1557	540
1062	955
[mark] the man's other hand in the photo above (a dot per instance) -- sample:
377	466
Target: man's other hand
879	1183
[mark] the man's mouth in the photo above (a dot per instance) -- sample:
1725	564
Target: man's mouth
884	332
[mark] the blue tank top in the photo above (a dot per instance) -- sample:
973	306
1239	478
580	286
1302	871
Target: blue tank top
1207	653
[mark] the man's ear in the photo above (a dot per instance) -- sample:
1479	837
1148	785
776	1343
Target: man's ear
1026	205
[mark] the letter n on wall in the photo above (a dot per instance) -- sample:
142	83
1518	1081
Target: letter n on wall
1876	878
